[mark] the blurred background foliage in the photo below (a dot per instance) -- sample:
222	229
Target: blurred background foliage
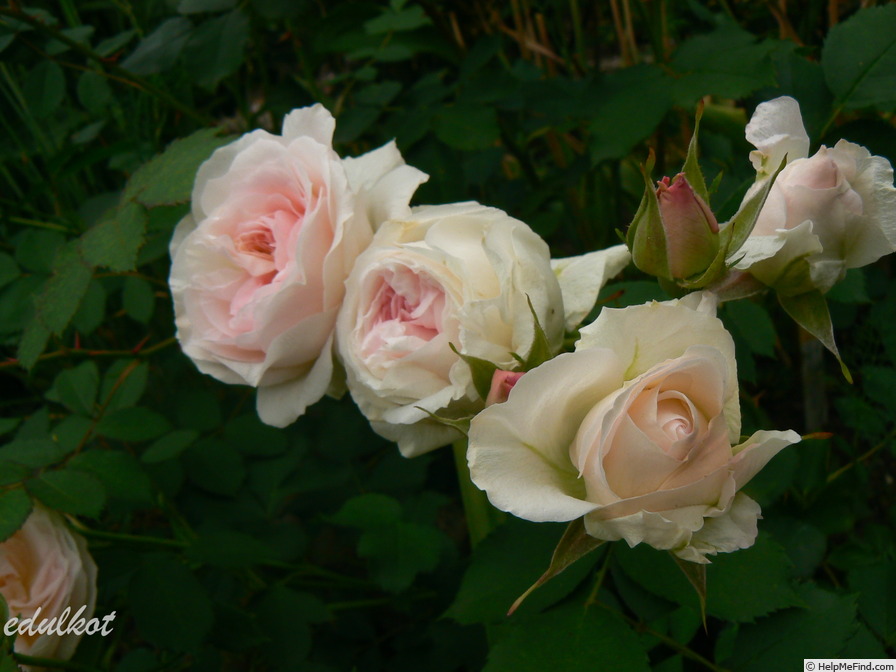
227	545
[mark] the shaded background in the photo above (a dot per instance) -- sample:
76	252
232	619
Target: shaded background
225	544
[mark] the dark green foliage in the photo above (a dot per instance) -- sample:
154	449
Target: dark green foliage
225	544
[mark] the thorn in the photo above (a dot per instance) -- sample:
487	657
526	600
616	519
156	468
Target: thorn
137	348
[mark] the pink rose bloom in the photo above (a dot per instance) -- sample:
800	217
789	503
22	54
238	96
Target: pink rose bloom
637	431
460	274
45	566
258	267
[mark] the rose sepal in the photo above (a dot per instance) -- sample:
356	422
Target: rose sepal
696	576
810	311
646	238
574	544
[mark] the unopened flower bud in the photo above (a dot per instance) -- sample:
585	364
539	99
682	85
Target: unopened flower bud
502	383
681	238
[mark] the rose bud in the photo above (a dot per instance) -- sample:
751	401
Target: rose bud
502	383
677	239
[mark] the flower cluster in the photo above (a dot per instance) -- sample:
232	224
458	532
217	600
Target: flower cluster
296	266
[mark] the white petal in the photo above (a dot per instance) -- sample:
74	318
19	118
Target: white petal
776	129
519	450
315	122
733	529
280	405
581	279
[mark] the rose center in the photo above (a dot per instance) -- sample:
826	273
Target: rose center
404	315
258	243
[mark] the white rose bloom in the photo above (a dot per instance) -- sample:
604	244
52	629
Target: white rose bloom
456	274
259	266
638	431
835	209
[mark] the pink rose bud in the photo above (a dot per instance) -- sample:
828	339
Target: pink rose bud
680	237
690	227
502	383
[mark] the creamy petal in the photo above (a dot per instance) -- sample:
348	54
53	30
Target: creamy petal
581	279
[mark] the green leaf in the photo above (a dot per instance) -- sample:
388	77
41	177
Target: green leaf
8	424
69	491
395	21
13	472
123	384
622	115
283	615
368	511
112	44
198	6
169	446
810	311
570	639
574	544
76	388
876	585
504	565
33	452
159	50
15	507
120	473
56	302
115	241
44	88
9	270
750	583
94	91
754	325
138	299
92	310
133	424
727	62
168	178
229	549
216	48
171	608
859	59
783	640
399	551
467	127
215	466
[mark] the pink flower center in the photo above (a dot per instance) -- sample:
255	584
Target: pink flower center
404	314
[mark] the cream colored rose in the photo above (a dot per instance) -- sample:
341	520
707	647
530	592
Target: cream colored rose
637	431
259	266
456	274
44	566
836	209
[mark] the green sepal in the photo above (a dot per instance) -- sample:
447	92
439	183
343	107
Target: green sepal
541	351
810	311
574	544
691	167
743	221
696	575
462	425
733	233
483	371
646	238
